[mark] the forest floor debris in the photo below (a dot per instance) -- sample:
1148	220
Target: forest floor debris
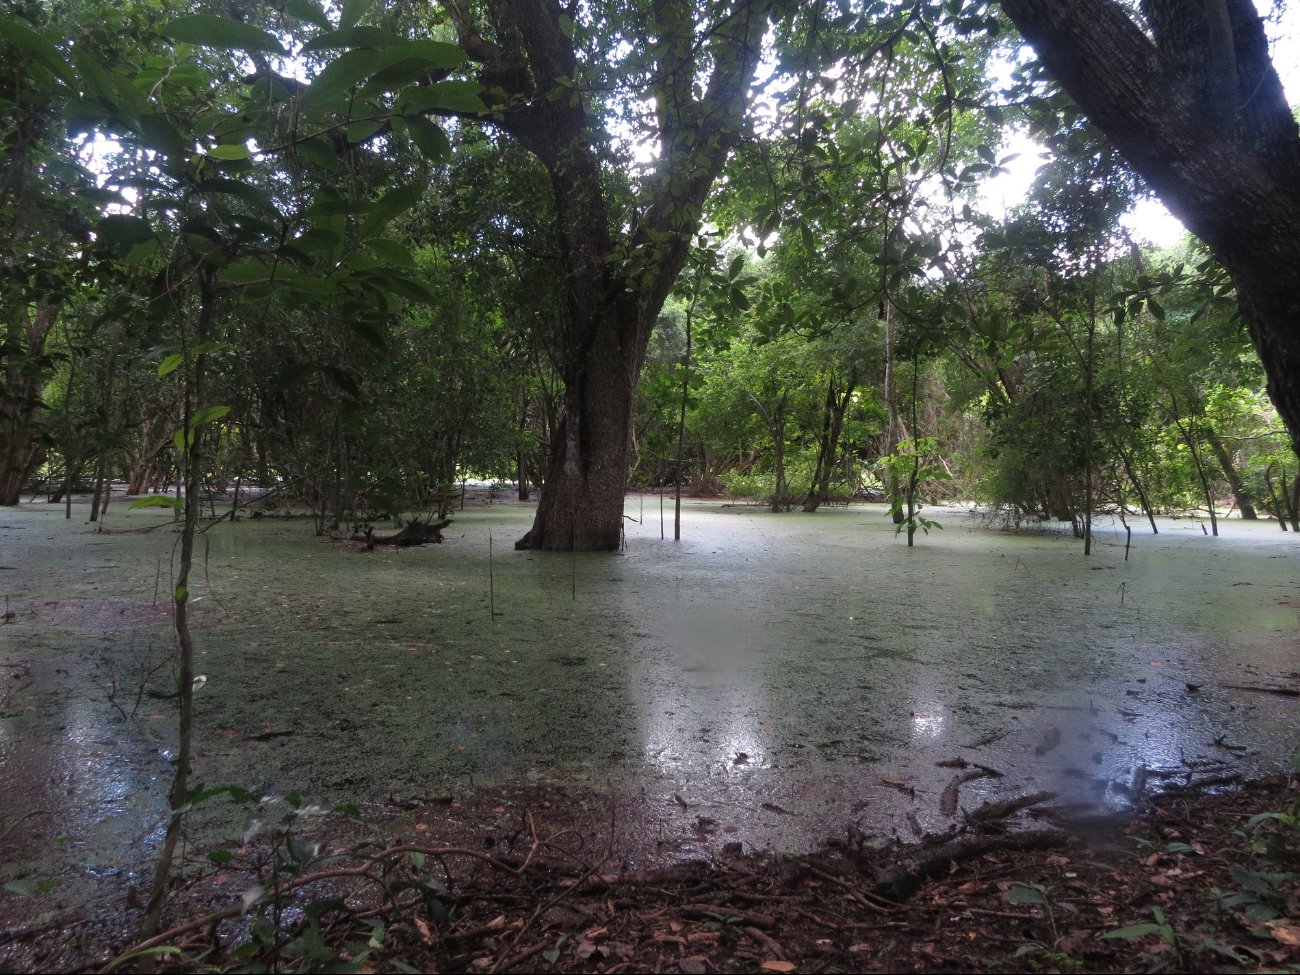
540	880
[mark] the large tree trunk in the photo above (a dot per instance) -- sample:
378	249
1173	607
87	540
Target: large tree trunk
1197	109
581	507
614	284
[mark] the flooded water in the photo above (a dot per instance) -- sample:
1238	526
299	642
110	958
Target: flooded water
768	679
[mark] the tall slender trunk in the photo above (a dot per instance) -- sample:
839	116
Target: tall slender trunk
179	794
837	404
1129	470
681	424
1245	503
894	427
1188	431
779	489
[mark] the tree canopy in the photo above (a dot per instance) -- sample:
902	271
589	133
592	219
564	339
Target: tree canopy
354	255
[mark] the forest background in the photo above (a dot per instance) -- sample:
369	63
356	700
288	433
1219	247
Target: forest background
333	255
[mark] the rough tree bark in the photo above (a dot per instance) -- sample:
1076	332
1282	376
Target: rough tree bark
615	281
1196	107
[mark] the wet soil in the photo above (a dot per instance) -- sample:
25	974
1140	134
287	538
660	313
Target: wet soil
539	878
780	676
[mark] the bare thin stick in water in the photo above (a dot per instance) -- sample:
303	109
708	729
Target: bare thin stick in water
492	606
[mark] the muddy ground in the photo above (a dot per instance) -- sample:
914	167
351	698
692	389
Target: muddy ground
769	681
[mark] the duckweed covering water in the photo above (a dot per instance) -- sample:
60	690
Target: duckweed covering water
783	673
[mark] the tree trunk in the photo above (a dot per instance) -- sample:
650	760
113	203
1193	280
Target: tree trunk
681	425
613	285
894	430
1197	109
581	505
21	447
1245	503
778	462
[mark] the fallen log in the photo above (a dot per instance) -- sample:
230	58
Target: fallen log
415	533
903	879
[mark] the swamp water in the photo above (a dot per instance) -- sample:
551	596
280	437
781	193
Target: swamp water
769	679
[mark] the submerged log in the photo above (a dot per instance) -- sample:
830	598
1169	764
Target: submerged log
416	533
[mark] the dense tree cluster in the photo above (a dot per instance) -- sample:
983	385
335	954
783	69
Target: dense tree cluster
353	253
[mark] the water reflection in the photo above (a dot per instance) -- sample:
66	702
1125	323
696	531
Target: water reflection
927	720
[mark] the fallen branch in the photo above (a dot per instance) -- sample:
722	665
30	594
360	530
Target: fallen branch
948	798
902	880
1266	689
992	812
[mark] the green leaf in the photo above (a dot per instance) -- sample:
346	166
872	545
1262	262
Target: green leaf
392	204
159	133
38	49
182	594
436	55
1134	931
449	96
1024	894
307	10
229	151
353	11
371	37
200	794
208	414
245	272
158	501
428	137
391	252
205	30
169	364
120	230
141	252
251	195
320	153
220	857
361	131
339	75
1156	309
407	61
410	289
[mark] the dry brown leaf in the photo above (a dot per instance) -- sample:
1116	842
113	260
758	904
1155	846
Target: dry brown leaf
1285	932
773	965
704	937
422	926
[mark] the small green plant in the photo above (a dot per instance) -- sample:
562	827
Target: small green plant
1272	844
913	472
1182	945
1049	956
